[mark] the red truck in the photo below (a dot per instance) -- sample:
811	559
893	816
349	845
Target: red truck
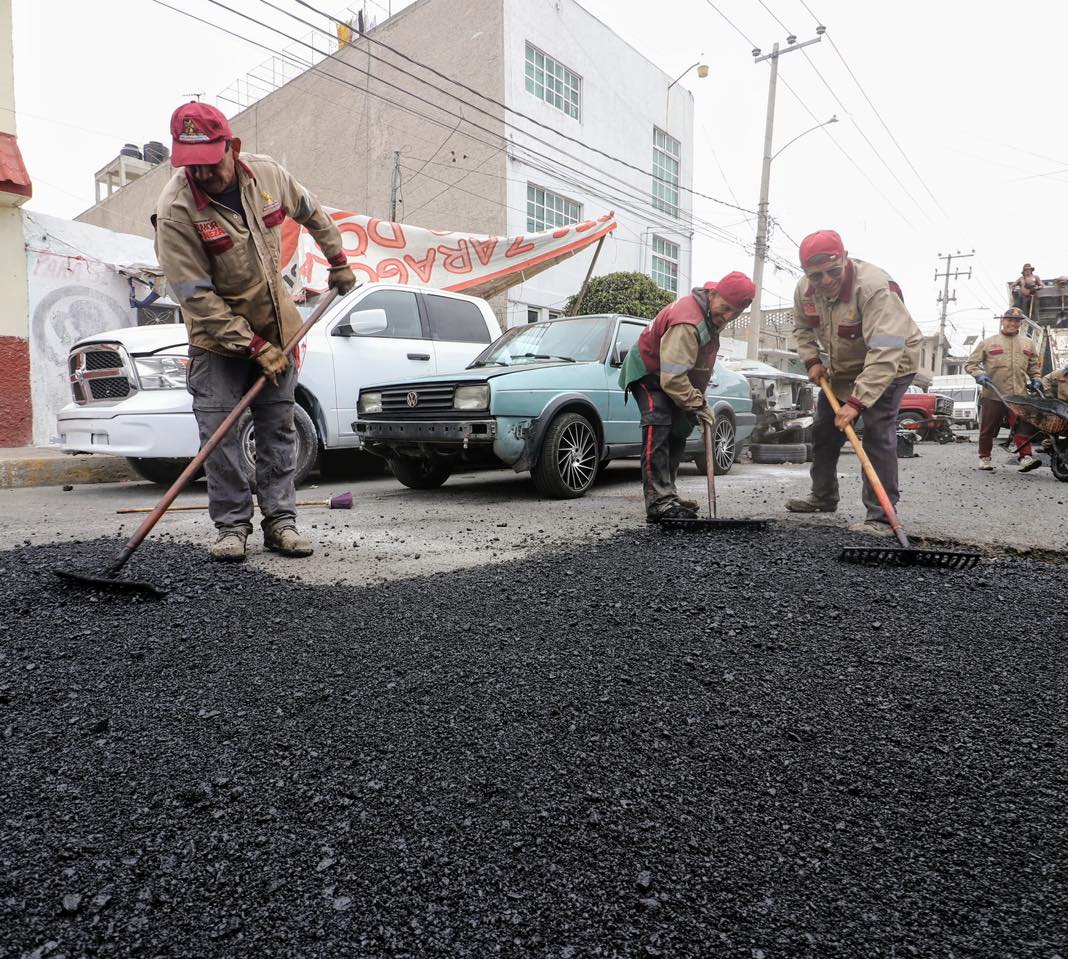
929	414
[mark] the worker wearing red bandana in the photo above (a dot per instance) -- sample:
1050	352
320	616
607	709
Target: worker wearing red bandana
852	327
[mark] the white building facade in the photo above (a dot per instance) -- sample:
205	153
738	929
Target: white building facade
570	72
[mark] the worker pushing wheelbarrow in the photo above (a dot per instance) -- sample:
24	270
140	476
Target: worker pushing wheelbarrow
1046	411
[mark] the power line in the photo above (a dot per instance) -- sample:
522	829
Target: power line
464	86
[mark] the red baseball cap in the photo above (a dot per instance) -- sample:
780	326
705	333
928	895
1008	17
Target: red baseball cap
823	244
199	133
736	288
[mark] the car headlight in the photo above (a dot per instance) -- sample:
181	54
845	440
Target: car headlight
370	403
474	396
162	372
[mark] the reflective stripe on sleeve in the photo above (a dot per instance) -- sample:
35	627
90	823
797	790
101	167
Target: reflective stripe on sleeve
885	341
673	368
184	289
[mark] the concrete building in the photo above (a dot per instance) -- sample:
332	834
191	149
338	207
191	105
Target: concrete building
369	131
15	189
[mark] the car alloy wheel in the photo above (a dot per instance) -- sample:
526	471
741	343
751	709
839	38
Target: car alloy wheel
724	448
576	456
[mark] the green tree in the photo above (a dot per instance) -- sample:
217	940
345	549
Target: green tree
631	293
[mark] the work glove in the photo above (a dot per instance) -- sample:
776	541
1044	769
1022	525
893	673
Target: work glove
271	359
342	279
705	417
1035	386
983	380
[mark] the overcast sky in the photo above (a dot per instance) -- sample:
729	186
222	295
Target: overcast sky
973	94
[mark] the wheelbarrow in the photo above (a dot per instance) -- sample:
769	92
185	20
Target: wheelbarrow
1047	416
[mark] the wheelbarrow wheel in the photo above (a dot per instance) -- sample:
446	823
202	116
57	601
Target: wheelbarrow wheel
1059	464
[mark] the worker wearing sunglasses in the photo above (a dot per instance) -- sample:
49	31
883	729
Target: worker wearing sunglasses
853	329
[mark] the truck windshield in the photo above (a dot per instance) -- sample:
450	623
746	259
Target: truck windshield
965	394
580	340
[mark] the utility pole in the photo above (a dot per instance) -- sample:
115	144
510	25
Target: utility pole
395	187
944	299
756	316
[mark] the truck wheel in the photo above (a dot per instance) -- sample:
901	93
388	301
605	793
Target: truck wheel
419	473
567	461
160	471
307	445
779	452
913	418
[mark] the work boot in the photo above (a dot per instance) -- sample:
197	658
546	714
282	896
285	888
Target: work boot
690	504
1029	463
229	547
287	541
674	511
872	527
809	504
985	464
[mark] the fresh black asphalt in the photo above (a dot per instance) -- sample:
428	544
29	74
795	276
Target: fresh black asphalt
657	745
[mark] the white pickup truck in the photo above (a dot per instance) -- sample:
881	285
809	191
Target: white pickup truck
128	386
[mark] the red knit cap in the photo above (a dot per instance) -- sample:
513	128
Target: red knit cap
825	244
736	288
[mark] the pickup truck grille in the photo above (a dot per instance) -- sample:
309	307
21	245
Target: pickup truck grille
944	406
418	398
98	372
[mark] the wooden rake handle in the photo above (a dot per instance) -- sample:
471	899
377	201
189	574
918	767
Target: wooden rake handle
710	468
869	470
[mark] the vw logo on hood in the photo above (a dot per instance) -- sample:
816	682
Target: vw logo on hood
412	398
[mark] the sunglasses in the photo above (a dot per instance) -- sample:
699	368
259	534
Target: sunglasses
832	273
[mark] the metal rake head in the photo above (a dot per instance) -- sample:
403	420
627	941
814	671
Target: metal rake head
890	556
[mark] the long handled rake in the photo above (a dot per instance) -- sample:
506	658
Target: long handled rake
907	555
108	577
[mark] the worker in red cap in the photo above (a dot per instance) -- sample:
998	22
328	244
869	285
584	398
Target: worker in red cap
852	327
218	223
668	371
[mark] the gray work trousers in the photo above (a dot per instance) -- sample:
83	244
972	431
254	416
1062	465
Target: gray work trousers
665	429
880	443
216	384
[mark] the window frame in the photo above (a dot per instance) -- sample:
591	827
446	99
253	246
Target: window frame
663	256
546	192
424	325
557	80
665	194
428	304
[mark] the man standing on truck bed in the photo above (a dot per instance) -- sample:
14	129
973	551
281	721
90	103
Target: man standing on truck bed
218	222
1009	362
854	313
668	371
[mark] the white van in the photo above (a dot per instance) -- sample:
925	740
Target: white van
964	392
128	386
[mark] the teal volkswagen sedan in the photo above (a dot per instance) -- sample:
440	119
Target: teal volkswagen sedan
542	398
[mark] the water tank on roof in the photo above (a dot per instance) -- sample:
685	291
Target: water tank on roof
130	150
155	152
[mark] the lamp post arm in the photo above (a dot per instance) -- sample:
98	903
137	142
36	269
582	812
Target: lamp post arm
804	133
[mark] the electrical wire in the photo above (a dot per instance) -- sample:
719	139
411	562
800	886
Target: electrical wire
476	92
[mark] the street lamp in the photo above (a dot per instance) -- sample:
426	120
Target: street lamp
702	72
756	317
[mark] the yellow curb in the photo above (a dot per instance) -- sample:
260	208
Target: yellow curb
57	469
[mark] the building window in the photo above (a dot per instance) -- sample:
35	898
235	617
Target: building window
553	82
665	271
666	154
547	210
533	314
555	314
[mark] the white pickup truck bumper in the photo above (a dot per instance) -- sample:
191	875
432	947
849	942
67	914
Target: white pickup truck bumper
151	424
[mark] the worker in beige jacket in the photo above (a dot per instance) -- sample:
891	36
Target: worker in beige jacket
1008	361
218	222
1055	385
853	314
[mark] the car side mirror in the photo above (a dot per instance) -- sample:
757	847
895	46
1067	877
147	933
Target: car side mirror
364	323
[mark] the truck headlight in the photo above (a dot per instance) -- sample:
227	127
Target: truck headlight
369	403
162	372
474	396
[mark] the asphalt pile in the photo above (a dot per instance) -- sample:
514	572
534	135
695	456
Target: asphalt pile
656	745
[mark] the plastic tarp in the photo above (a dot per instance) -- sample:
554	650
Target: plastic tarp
383	252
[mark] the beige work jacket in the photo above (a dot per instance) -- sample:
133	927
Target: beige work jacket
866	331
1056	385
226	276
1011	362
